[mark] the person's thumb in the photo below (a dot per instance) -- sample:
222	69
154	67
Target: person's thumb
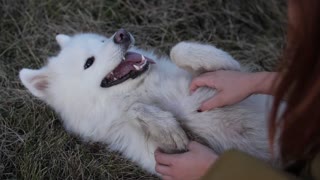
199	81
214	102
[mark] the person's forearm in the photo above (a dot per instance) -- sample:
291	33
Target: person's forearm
264	82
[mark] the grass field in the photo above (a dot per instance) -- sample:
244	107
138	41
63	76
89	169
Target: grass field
33	143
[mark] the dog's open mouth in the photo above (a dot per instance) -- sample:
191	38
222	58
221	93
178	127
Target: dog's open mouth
132	65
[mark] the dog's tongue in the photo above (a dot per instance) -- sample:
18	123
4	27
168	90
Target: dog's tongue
132	59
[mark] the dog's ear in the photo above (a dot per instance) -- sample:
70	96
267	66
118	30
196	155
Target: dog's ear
36	81
62	39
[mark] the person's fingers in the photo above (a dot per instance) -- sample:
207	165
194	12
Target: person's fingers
195	84
198	82
162	158
163	170
214	102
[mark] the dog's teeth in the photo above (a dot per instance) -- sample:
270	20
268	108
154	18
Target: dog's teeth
114	78
136	67
143	58
123	58
144	63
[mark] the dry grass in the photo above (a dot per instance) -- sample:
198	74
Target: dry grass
33	143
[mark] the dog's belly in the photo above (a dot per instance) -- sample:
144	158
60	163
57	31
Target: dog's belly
168	88
242	126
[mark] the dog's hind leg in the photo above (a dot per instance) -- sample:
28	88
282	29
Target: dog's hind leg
160	126
199	58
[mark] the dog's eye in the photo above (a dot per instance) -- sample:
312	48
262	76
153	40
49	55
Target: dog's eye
89	62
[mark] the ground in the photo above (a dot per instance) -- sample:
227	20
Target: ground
33	143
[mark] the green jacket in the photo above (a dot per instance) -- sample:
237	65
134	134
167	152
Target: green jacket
235	165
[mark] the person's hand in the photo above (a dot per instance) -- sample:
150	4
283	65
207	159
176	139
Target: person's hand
231	86
189	165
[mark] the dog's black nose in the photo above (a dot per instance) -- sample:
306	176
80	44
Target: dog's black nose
122	37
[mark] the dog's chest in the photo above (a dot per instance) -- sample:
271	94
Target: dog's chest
166	88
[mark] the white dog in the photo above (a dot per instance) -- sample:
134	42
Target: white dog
106	90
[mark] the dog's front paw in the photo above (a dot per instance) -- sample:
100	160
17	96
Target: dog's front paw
172	139
160	126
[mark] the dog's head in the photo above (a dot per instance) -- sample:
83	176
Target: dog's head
88	67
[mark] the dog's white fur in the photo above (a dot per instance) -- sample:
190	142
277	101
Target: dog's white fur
139	115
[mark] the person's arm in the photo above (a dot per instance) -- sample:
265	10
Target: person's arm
233	86
264	82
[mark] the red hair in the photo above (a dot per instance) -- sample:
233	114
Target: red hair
299	124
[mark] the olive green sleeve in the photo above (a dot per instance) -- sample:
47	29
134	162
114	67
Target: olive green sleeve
315	167
237	165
